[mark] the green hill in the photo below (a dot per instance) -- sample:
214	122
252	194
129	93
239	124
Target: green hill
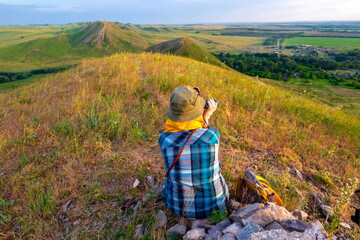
185	47
91	40
72	145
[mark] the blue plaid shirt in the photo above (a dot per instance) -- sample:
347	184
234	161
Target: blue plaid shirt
195	185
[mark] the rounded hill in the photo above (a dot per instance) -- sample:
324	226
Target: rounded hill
185	47
95	39
72	145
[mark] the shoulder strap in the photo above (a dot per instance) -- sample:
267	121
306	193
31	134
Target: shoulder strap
179	154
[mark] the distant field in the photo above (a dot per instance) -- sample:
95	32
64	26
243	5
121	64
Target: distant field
331	34
11	35
325	41
205	39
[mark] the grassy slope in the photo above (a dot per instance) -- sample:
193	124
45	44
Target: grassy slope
321	90
87	133
185	47
192	50
66	49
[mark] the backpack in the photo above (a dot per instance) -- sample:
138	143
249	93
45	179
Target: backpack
251	189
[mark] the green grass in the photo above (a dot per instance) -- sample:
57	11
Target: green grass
322	91
324	41
185	47
69	47
12	35
87	133
4	87
217	216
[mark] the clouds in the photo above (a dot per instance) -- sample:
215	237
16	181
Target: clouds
176	11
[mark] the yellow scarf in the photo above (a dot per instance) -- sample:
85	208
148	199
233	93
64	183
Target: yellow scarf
172	126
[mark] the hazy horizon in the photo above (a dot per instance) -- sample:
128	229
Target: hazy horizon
24	12
182	24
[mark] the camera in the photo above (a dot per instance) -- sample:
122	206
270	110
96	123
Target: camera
207	103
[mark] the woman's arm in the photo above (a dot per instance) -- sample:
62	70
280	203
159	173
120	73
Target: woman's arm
209	111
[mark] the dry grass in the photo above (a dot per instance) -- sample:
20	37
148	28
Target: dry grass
87	133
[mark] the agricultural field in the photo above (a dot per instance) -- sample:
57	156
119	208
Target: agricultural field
332	42
12	35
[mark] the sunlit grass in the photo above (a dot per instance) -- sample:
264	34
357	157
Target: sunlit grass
89	132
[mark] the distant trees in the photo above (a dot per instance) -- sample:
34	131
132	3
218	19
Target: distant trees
13	76
284	67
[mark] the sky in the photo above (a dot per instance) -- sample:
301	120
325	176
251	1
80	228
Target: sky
22	12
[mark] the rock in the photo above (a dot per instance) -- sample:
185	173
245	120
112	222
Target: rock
77	222
177	229
2	174
233	228
281	234
246	232
216	231
195	234
234	204
243	212
271	212
201	224
138	205
298	175
273	225
150	180
147	197
327	211
300	215
228	236
274	234
295	225
161	219
157	189
319	227
67	205
318	197
136	183
140	230
213	236
345	225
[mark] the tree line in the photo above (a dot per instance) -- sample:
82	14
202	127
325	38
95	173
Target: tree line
13	76
284	67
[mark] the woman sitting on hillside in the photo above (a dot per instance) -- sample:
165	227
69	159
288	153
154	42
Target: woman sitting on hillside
194	185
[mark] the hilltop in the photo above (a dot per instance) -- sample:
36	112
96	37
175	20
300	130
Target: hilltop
96	39
72	145
185	47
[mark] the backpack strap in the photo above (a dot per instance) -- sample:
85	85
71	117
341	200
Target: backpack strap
252	179
179	154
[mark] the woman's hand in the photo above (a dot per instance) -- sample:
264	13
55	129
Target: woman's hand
211	109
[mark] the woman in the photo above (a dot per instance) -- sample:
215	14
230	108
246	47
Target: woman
194	186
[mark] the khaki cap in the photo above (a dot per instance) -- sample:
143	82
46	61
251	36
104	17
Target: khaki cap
185	104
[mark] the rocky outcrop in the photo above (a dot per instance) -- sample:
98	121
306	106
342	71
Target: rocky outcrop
256	222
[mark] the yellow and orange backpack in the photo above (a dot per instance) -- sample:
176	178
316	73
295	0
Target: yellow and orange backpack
251	188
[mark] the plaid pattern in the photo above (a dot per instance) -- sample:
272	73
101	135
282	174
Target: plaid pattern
195	185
